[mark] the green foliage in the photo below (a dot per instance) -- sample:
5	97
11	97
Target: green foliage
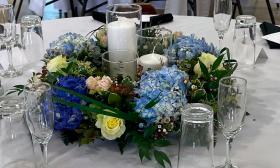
161	158
114	99
16	89
205	88
147	145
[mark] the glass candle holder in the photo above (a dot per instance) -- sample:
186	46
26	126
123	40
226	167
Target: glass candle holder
124	12
196	141
32	38
244	41
153	46
120	62
123	20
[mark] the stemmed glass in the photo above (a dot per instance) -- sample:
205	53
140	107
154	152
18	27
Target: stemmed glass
40	115
7	33
222	17
231	103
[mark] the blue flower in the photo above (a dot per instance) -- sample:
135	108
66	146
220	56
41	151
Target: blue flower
68	117
71	43
167	85
188	47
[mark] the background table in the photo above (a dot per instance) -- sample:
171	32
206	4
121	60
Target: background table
257	146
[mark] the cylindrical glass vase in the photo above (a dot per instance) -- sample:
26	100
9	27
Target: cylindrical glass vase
120	63
244	48
196	141
122	21
153	45
32	38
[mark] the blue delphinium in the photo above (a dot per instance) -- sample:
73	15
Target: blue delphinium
167	85
188	47
71	43
68	117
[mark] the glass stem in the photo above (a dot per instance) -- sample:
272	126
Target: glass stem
44	149
10	58
228	148
11	127
221	38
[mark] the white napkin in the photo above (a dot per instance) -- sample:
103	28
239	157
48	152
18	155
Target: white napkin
274	37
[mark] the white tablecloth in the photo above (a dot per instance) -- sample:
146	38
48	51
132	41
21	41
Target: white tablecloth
257	146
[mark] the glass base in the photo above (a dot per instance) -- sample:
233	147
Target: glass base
20	164
11	72
226	166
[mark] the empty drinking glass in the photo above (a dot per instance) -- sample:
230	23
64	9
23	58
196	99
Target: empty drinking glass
32	37
244	40
40	115
7	34
196	141
222	17
231	104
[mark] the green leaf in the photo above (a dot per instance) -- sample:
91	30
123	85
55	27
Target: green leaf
225	51
114	99
153	102
161	158
144	153
204	70
132	116
162	143
84	141
103	111
217	62
149	131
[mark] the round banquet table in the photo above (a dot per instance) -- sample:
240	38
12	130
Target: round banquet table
257	145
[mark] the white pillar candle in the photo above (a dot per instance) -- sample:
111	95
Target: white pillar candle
152	61
122	37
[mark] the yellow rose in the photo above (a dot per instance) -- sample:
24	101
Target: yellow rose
111	127
208	60
57	63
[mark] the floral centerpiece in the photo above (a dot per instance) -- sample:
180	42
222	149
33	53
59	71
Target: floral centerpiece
91	105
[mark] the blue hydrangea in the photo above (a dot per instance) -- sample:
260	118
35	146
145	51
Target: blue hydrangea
188	47
168	86
68	117
71	43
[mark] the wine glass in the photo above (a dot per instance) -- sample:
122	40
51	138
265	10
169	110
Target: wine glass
222	17
40	115
7	33
231	104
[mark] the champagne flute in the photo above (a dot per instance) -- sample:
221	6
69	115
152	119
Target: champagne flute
222	17
231	104
7	33
40	115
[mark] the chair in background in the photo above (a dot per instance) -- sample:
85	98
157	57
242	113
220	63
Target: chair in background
84	6
72	6
236	5
148	9
270	12
19	5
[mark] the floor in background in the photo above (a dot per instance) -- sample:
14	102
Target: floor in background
257	8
